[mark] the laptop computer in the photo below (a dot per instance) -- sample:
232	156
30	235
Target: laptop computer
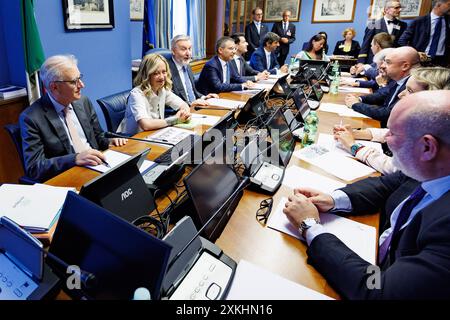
254	107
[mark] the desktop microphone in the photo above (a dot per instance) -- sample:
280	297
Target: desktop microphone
244	183
196	108
116	135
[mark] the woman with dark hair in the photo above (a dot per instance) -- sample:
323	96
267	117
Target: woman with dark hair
325	46
314	50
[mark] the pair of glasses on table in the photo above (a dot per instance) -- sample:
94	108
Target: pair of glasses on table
265	208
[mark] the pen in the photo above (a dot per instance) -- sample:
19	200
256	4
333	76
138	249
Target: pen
106	164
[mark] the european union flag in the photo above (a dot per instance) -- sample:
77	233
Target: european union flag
148	34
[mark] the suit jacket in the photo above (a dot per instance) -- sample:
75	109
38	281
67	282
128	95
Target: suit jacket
418	265
211	78
253	38
373	28
417	34
246	72
354	49
278	29
258	61
177	86
46	146
380	113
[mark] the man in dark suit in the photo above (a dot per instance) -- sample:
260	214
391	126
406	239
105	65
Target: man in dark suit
389	24
286	31
240	65
414	252
255	31
264	57
61	129
217	75
183	84
397	64
422	35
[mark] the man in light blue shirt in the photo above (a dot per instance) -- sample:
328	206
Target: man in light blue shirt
414	252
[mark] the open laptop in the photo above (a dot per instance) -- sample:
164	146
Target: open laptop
254	107
122	190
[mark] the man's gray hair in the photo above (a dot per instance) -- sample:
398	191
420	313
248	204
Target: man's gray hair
380	56
180	37
221	42
388	3
52	69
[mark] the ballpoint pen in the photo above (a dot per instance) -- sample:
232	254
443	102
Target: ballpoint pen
106	164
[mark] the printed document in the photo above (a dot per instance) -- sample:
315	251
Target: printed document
226	103
342	110
114	158
354	90
296	177
170	135
327	141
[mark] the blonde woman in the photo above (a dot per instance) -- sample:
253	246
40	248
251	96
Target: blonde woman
421	79
147	101
348	46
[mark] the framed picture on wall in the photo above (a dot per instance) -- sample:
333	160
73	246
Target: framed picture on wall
137	10
410	8
88	14
333	11
273	9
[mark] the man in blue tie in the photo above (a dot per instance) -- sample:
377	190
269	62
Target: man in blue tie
286	31
431	33
255	31
414	252
182	76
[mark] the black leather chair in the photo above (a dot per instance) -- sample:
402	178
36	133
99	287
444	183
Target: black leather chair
13	130
113	108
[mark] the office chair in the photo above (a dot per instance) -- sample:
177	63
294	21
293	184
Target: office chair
13	130
166	53
113	107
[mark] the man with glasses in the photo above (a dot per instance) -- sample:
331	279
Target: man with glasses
61	129
390	24
431	33
255	31
286	31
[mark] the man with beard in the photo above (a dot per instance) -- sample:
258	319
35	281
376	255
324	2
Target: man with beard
414	252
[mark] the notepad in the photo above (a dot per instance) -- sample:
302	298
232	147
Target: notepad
225	103
359	237
296	177
252	282
327	141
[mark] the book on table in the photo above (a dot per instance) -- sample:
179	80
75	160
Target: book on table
9	92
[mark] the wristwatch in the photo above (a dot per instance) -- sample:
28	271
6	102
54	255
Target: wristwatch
355	148
306	224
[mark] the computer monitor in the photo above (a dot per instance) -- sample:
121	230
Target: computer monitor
281	83
281	136
122	190
316	67
120	256
317	92
302	105
209	186
254	107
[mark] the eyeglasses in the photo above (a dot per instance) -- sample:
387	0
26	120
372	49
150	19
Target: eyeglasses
73	82
265	207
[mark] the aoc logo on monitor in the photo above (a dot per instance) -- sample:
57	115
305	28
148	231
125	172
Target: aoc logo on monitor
126	194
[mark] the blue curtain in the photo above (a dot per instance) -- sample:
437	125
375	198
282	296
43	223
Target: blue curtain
197	27
163	9
148	32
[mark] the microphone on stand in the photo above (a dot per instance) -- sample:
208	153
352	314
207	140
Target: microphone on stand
117	135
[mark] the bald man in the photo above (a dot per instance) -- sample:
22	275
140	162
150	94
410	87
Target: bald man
397	64
414	252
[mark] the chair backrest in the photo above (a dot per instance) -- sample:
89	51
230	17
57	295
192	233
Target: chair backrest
13	130
113	108
166	53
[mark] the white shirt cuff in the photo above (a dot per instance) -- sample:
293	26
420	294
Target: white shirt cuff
313	232
341	201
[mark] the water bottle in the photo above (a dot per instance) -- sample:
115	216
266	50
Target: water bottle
310	129
334	87
292	65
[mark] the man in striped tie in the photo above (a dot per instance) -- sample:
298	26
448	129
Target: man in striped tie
414	246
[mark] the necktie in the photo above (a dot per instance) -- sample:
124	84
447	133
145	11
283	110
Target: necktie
436	36
228	73
395	94
285	27
241	71
392	21
403	216
258	26
78	146
188	83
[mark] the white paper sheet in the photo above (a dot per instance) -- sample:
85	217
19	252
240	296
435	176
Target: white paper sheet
338	165
247	92
226	103
296	177
263	86
268	81
359	237
205	119
354	90
114	158
170	135
327	141
252	282
342	110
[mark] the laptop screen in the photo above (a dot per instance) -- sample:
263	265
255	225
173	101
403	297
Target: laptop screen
301	103
281	136
122	190
120	256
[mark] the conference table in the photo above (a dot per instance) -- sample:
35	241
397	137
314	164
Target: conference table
244	237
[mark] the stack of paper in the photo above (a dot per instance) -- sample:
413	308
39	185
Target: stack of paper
342	110
9	92
251	282
296	177
358	237
354	90
263	86
335	163
225	103
114	158
170	135
34	207
327	141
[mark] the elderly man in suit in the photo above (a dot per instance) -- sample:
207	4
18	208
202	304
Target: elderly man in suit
61	129
414	250
264	58
389	24
286	31
217	75
398	65
255	31
431	33
183	84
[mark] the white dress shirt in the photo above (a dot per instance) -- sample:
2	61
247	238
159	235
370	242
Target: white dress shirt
441	45
224	70
181	73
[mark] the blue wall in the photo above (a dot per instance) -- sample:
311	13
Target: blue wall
136	39
4	70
